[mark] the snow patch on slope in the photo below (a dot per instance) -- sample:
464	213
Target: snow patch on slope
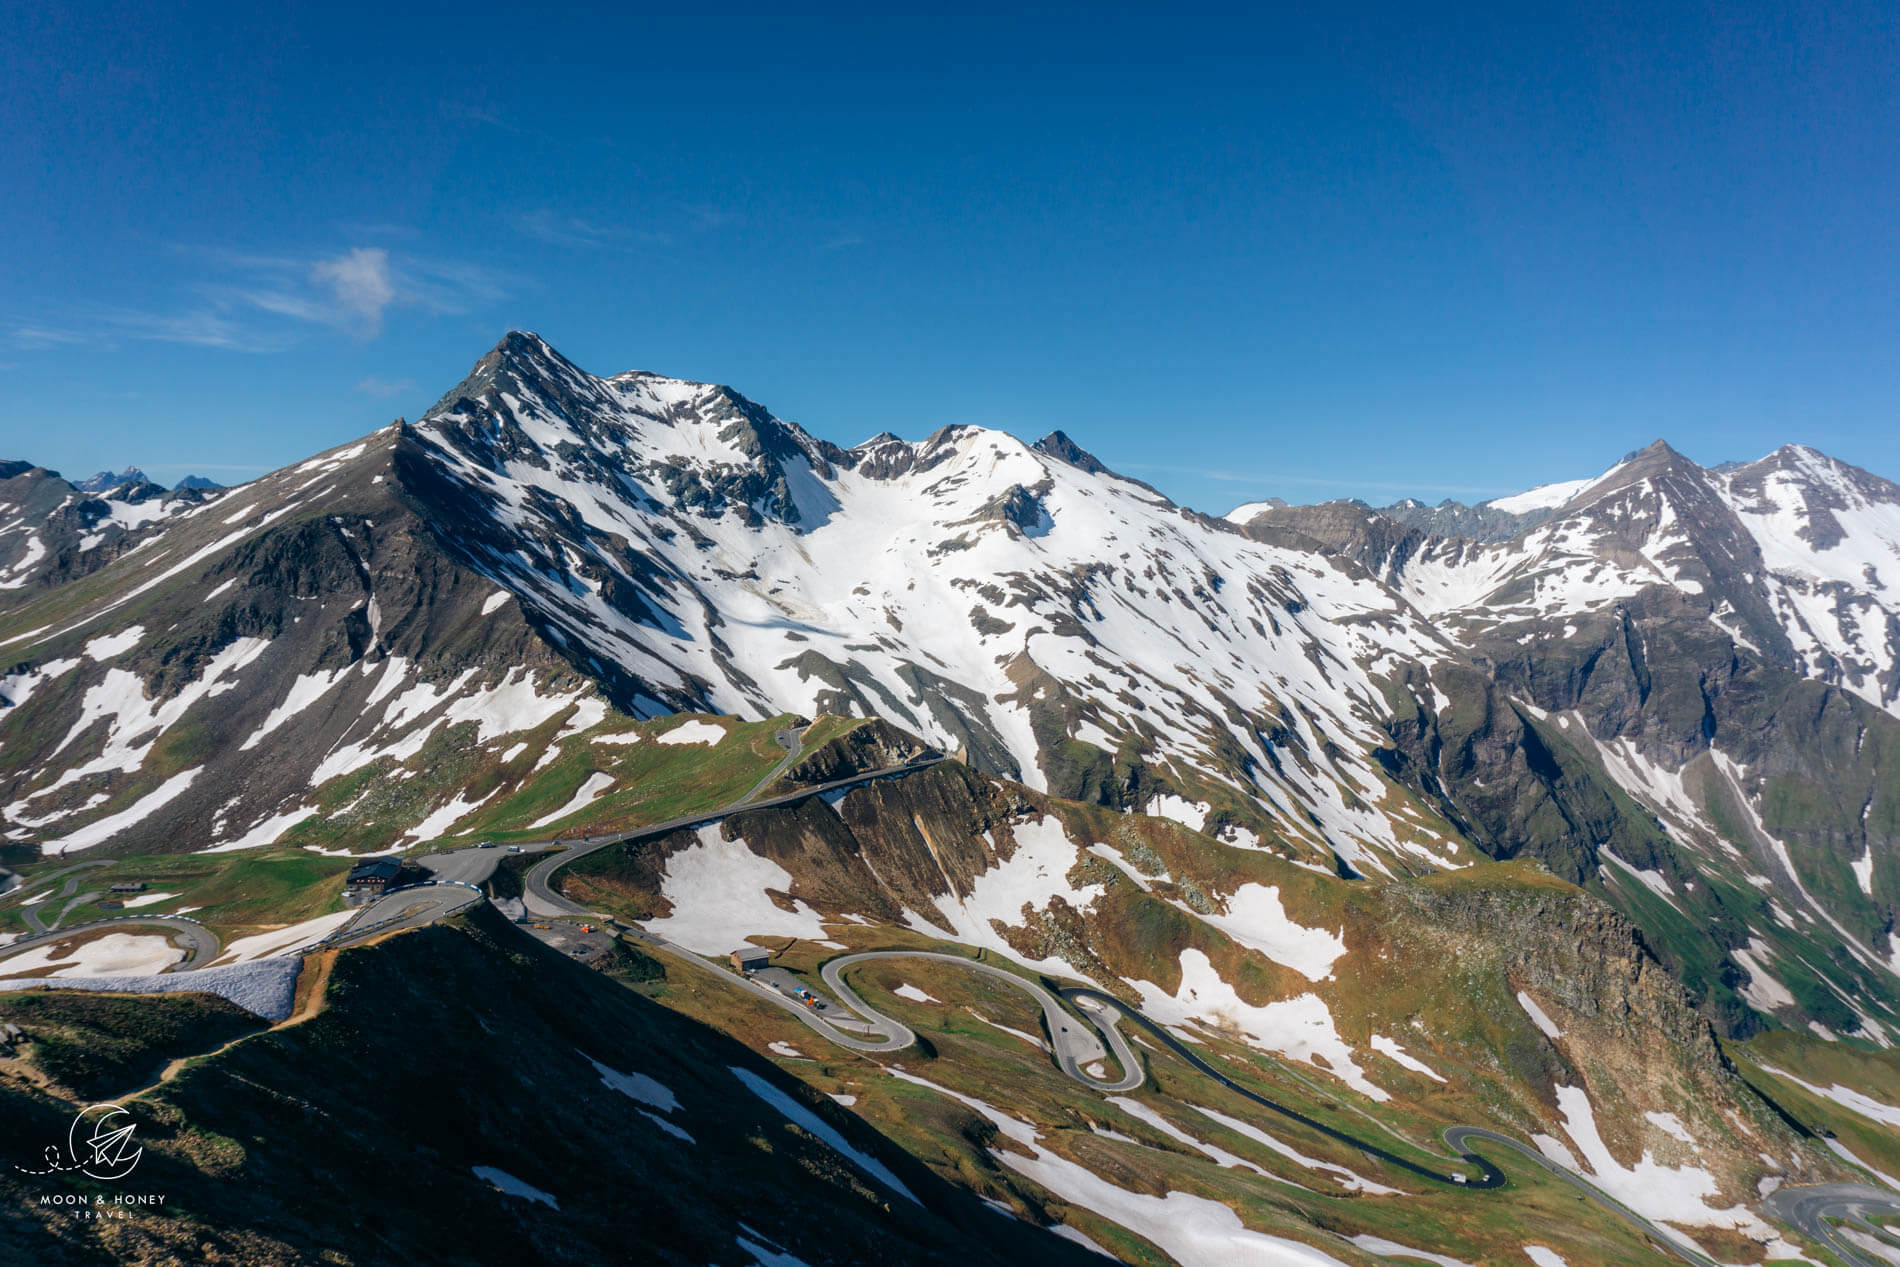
718	891
1299	1028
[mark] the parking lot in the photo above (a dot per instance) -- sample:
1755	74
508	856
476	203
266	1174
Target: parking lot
788	984
580	941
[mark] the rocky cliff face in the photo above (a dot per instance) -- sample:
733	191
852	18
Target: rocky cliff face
1674	686
1613	1023
886	848
1673	691
875	745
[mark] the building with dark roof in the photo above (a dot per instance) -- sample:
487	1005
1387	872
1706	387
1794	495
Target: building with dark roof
375	873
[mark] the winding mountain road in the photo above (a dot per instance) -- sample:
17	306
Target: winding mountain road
1810	1208
542	899
406	908
1807	1208
31	914
201	944
1073	1046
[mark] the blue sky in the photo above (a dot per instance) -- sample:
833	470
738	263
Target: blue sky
1383	252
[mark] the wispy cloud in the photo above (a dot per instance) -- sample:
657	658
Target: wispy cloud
252	302
359	284
41	337
349	291
383	387
200	327
487	116
557	228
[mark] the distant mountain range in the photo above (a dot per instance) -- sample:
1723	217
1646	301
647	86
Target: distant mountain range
52	530
1674	686
132	478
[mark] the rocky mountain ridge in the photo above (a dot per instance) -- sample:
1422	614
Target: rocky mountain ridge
52	531
1669	689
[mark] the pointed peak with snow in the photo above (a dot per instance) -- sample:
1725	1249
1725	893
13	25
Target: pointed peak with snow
522	364
1808	464
106	481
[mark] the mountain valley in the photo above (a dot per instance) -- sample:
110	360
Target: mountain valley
1572	816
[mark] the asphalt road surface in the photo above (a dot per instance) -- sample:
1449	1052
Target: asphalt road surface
787	983
201	944
1072	1044
1810	1208
1662	1241
793	742
1489	1176
887	1036
567	937
404	909
539	893
472	865
70	890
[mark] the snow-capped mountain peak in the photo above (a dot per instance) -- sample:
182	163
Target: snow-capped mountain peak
106	481
1356	693
999	598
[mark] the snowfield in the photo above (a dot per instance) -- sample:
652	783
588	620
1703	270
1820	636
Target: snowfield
647	1092
698	732
846	571
514	1187
1663	1194
717	889
114	954
278	941
264	987
591	789
1543	1022
1030	877
1847	1097
1255	917
1392	1249
1300	1028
